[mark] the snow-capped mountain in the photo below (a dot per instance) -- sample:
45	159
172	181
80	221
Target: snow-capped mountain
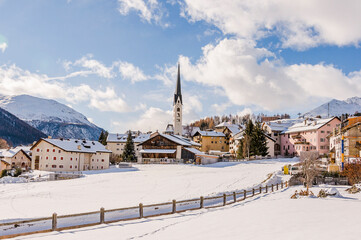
50	117
336	108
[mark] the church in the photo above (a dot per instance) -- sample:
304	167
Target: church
170	146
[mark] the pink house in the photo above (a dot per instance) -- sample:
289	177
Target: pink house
308	135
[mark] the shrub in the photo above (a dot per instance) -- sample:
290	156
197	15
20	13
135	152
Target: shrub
4	173
353	172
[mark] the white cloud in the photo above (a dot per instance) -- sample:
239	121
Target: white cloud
299	24
244	112
252	76
131	72
93	66
14	81
149	10
3	46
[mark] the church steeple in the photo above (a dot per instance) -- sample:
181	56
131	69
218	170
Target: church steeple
177	107
178	92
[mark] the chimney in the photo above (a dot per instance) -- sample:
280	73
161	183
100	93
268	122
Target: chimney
49	137
79	147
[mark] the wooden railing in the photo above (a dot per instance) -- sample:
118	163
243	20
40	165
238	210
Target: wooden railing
72	221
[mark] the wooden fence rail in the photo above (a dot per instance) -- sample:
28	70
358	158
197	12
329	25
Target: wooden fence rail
72	221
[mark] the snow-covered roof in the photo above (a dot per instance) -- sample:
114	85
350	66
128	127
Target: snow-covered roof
234	130
193	150
282	125
3	160
308	125
122	138
227	124
10	152
211	133
179	140
158	151
77	145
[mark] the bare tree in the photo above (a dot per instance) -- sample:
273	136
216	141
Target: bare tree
310	167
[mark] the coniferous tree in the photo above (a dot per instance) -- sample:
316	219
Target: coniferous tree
260	140
240	151
101	137
129	153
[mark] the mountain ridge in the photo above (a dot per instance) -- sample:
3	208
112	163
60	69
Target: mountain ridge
336	107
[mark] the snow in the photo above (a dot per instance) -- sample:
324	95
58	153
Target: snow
9	179
211	133
71	145
122	138
157	151
127	187
29	108
308	125
270	216
336	108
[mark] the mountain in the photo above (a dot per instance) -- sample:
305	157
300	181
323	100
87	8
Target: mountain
51	117
336	108
15	131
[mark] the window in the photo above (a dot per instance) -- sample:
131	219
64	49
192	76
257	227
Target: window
46	165
47	150
92	160
61	158
53	150
76	166
53	166
97	160
46	158
71	166
322	139
59	151
37	150
71	159
288	147
117	149
101	167
178	109
61	166
211	141
102	160
117	144
322	131
54	158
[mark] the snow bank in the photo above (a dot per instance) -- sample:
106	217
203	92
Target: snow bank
9	179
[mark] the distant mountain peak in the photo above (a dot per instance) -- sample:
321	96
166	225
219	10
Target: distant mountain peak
336	108
51	117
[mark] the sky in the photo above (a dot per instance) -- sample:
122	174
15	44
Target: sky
115	61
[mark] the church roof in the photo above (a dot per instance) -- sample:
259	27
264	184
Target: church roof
178	92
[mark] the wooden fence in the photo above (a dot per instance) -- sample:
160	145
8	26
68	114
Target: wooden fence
72	221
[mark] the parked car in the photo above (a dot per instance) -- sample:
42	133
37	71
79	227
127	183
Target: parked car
293	170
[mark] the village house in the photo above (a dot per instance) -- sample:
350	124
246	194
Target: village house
308	135
229	130
14	158
350	131
116	142
69	155
165	148
274	130
211	141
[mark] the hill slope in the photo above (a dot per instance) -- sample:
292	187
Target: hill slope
51	117
16	131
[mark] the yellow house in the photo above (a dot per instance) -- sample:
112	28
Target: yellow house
14	157
4	165
211	141
69	155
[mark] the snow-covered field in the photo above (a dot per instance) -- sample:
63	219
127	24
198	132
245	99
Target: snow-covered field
271	216
115	188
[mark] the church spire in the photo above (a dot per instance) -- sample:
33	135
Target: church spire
178	92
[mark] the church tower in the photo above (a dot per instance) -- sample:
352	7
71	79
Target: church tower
177	107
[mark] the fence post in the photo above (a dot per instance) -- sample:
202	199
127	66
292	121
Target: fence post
277	187
266	189
174	206
252	192
140	210
281	185
234	197
244	194
272	187
102	215
54	222
224	199
260	189
201	202
286	183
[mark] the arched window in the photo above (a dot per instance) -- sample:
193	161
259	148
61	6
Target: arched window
178	109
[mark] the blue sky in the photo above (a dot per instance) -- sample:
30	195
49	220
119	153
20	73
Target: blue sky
115	60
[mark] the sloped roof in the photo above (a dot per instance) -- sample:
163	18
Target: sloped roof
234	130
71	145
158	150
193	150
176	139
211	133
122	138
308	125
12	152
282	125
